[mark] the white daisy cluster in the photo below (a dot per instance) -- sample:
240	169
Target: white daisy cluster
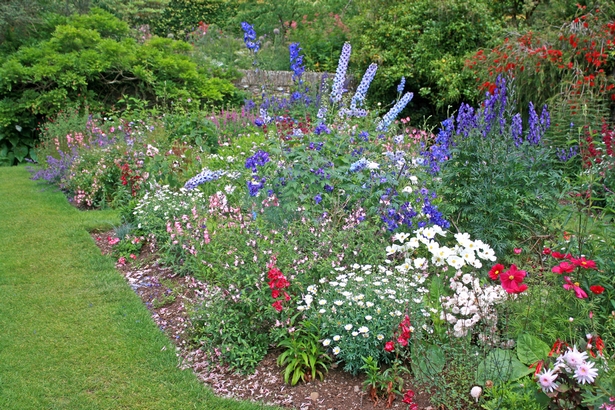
359	307
470	304
465	252
574	363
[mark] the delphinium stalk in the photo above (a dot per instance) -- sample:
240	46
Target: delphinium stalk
340	74
361	92
296	62
390	116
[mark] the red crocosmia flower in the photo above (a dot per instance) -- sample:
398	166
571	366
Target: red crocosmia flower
495	271
564	267
546	251
584	263
277	305
512	278
578	292
389	346
597	289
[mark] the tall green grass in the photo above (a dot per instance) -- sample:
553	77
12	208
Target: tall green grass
73	335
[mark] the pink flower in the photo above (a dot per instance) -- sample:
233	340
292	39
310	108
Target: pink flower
122	261
389	346
133	256
564	267
517	251
584	263
580	293
512	278
277	305
546	380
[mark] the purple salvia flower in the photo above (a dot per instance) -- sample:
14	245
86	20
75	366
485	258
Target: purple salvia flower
390	116
340	74
359	96
516	129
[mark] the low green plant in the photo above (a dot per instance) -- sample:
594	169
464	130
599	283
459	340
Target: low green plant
520	394
303	358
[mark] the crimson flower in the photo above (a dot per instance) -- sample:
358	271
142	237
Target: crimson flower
546	251
564	267
512	278
597	289
580	293
495	271
408	397
584	263
389	346
558	255
277	305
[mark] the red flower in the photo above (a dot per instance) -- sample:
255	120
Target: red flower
275	293
584	263
402	341
578	292
408	397
277	305
517	251
495	271
564	267
546	251
597	289
558	255
512	278
389	346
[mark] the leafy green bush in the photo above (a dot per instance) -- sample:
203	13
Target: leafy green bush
91	60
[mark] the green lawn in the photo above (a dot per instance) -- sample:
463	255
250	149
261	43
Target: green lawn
73	335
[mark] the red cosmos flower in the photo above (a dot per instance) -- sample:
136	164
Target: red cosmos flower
512	278
495	271
558	255
389	346
578	292
584	263
597	289
564	267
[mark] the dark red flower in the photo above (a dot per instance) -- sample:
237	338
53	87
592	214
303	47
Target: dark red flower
597	289
511	280
558	255
546	251
495	271
408	397
389	346
277	305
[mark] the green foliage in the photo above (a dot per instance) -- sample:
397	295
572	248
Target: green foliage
91	60
501	366
426	41
304	357
181	17
520	394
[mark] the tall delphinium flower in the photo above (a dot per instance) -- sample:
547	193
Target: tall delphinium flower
359	96
204	176
401	86
249	37
466	119
340	74
494	108
390	116
538	125
440	151
296	62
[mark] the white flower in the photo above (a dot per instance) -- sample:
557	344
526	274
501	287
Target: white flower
407	190
476	392
546	380
337	338
585	373
414	180
348	327
401	237
573	358
322	302
322	311
338	302
419	262
363	329
368	317
369	304
380	337
336	350
326	342
312	289
308	300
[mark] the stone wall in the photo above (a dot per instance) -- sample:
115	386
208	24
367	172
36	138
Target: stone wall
278	83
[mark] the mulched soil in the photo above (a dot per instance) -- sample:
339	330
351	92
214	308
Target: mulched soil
169	297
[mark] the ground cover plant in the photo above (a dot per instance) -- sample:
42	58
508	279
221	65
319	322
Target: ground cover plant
475	258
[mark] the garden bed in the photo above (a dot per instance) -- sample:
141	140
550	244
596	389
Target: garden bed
169	298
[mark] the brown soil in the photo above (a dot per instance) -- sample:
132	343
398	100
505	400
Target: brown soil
169	297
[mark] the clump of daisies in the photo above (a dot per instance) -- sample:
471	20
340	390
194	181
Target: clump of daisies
359	307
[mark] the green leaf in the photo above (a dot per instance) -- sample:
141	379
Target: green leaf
501	366
21	151
530	349
428	363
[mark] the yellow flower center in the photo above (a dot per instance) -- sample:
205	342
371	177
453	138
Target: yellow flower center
511	277
576	284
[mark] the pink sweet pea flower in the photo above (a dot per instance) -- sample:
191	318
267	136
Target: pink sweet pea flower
580	293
